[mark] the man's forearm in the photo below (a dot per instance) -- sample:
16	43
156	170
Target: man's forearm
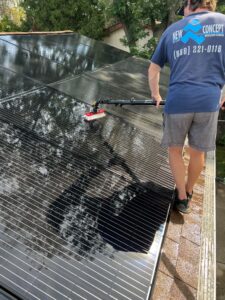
153	79
222	102
223	92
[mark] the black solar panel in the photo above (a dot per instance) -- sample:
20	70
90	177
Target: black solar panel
83	207
55	57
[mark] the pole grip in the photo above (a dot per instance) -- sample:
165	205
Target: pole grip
122	102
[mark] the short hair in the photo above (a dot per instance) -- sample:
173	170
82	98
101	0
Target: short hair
208	4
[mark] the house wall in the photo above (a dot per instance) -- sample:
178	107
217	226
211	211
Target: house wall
114	37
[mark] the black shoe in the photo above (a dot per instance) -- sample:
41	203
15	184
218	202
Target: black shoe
182	205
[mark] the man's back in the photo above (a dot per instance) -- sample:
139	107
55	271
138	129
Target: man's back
195	50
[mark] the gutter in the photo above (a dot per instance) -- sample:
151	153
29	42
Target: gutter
36	32
207	265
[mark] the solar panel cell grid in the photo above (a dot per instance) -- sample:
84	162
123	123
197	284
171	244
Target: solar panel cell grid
83	208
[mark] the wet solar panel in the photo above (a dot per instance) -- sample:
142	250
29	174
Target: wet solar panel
71	52
12	84
83	207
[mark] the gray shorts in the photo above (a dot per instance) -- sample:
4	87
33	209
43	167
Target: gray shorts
200	128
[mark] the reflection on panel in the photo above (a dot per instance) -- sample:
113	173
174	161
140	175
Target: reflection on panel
26	63
59	119
74	227
12	83
74	52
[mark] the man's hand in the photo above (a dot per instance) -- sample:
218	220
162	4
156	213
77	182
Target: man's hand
222	103
157	98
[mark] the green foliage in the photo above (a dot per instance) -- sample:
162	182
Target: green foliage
151	45
221	8
220	162
136	15
221	133
83	16
7	25
221	141
147	50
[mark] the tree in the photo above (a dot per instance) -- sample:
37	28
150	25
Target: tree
83	16
221	6
135	15
11	15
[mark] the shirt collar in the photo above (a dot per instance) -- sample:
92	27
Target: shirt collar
199	13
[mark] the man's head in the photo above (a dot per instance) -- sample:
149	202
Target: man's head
191	6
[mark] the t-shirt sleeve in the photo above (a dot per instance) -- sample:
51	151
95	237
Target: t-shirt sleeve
160	55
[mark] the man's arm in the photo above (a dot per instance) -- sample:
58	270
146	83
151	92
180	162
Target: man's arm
153	80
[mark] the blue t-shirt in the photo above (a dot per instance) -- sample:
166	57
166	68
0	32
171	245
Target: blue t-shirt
194	47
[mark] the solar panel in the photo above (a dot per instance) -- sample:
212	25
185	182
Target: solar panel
83	206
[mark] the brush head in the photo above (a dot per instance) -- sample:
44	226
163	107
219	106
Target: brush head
90	116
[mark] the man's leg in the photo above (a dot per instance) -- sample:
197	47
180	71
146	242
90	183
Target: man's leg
196	165
178	170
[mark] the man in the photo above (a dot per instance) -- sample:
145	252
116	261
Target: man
194	48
